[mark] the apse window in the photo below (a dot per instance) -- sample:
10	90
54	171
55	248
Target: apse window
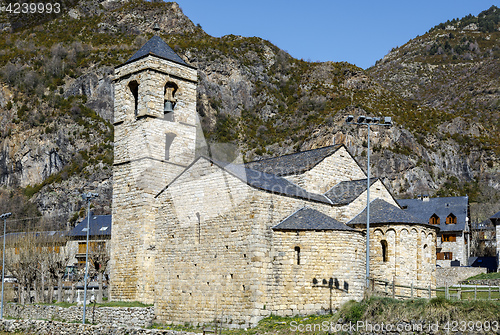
297	255
385	257
134	89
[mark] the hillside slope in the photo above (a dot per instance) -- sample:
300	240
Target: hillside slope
56	107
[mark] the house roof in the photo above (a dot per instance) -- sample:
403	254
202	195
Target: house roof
156	46
346	191
310	219
100	225
442	207
293	163
495	218
383	212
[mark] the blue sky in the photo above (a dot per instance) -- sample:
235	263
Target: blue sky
359	32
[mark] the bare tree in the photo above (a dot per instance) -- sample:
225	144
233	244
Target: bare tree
98	262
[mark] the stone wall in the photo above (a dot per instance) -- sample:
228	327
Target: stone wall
115	316
453	275
217	258
327	270
409	255
43	327
340	166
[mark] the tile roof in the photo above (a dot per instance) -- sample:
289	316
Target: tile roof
293	163
100	225
442	207
310	219
269	182
346	191
383	212
156	46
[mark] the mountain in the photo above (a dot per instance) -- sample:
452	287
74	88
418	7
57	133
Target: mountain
56	104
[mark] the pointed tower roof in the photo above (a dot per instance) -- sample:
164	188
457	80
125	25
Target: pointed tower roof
156	46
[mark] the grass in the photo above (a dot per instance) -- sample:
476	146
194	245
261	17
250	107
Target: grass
492	275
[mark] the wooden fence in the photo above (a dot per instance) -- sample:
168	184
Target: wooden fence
386	288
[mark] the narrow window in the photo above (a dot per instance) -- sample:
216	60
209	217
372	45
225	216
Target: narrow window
169	138
134	89
434	220
169	101
297	255
384	250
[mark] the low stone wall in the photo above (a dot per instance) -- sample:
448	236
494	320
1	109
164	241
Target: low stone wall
115	316
42	327
453	275
485	282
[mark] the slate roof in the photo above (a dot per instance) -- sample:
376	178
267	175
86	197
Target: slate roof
293	163
156	46
442	207
100	225
383	212
310	219
346	191
269	182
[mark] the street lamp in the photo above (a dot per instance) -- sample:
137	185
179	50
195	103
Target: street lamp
4	217
368	121
87	196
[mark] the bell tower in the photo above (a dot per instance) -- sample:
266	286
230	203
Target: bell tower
155	139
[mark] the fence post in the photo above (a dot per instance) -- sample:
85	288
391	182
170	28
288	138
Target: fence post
430	294
459	293
412	290
393	288
446	293
489	291
475	292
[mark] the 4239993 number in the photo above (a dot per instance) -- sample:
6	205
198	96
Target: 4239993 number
33	8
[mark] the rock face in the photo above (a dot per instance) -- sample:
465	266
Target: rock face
254	96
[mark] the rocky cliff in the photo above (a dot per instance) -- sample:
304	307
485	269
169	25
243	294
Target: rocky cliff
56	103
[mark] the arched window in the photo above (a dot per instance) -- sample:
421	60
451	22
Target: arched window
169	101
451	219
385	256
169	138
297	255
134	89
435	220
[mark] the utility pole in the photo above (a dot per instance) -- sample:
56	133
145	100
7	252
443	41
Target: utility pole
87	196
4	217
368	121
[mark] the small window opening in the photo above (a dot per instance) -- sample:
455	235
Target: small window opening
451	219
134	89
384	250
434	220
169	101
169	139
297	255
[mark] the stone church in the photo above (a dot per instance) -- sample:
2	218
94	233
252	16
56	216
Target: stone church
203	239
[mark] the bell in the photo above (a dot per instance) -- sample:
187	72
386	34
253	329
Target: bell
168	107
